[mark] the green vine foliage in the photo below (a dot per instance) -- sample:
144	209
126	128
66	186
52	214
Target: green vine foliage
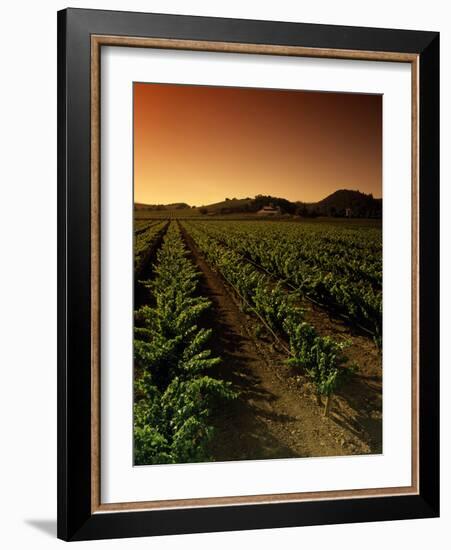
321	358
174	397
340	268
145	237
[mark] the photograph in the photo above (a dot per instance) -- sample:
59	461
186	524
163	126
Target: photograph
248	321
257	250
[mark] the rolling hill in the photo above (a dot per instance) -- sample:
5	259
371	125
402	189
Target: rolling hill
174	206
341	203
345	202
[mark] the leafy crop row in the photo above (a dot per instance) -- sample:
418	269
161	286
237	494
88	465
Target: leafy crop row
339	268
173	395
322	358
143	225
145	238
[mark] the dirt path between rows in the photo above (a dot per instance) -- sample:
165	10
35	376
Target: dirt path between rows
276	414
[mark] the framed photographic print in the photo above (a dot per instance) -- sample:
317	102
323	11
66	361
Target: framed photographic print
248	274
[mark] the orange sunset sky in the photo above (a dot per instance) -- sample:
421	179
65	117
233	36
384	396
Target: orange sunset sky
200	144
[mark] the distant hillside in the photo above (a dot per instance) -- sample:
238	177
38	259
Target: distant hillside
248	205
345	202
341	203
228	206
174	206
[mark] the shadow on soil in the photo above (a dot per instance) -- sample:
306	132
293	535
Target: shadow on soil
240	433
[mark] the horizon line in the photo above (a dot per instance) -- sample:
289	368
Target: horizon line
251	198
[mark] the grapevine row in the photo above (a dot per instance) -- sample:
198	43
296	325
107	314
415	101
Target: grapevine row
322	358
142	225
173	395
340	270
145	241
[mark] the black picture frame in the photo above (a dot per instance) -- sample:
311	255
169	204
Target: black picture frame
75	518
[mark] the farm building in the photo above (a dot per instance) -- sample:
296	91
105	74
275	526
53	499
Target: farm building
269	211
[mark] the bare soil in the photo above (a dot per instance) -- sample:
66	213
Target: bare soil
276	414
358	404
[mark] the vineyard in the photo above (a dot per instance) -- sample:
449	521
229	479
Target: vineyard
256	339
